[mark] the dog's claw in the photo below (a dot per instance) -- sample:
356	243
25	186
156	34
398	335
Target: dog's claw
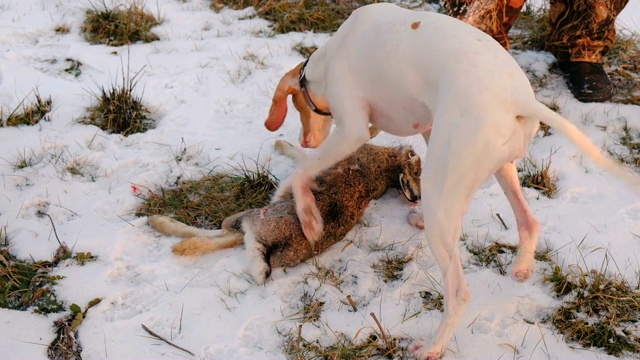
420	352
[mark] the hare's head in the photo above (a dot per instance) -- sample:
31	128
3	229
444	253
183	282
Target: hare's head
410	174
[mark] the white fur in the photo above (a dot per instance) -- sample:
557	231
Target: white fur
258	268
409	72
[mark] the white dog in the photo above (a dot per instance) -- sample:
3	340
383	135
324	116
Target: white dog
410	72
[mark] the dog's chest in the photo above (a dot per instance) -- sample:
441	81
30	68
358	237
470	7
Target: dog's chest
401	116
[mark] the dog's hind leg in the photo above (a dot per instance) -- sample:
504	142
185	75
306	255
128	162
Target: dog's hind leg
451	176
528	226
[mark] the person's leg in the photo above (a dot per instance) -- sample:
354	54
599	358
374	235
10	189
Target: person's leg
580	34
494	17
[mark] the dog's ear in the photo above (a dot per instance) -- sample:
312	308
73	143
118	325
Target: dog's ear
288	85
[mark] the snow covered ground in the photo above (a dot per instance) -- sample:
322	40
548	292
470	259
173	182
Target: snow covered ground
209	81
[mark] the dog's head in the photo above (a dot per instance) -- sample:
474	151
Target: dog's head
315	127
410	175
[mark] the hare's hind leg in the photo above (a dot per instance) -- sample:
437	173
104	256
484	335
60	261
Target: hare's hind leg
171	227
195	246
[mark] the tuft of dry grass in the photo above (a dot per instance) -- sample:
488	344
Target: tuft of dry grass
379	344
206	202
118	110
530	30
120	25
497	255
66	345
432	300
305	51
32	111
597	311
545	129
623	64
62	29
299	15
630	139
500	255
391	267
539	177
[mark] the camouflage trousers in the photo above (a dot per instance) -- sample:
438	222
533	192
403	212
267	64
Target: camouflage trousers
579	30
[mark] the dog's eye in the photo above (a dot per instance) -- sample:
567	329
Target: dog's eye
411	154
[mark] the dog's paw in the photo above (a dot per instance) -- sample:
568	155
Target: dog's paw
415	217
523	267
421	352
306	208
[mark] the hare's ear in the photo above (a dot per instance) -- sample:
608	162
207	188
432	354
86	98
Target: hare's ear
288	85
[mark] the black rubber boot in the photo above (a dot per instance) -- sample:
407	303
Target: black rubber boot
587	81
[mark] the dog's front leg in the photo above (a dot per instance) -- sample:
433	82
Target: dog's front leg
352	130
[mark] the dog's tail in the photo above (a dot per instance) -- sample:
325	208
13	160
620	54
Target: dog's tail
556	121
196	246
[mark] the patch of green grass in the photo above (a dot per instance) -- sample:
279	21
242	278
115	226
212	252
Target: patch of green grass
596	310
206	202
539	177
74	67
119	110
32	111
119	25
301	15
27	284
391	267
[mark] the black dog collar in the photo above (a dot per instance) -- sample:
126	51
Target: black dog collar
303	86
